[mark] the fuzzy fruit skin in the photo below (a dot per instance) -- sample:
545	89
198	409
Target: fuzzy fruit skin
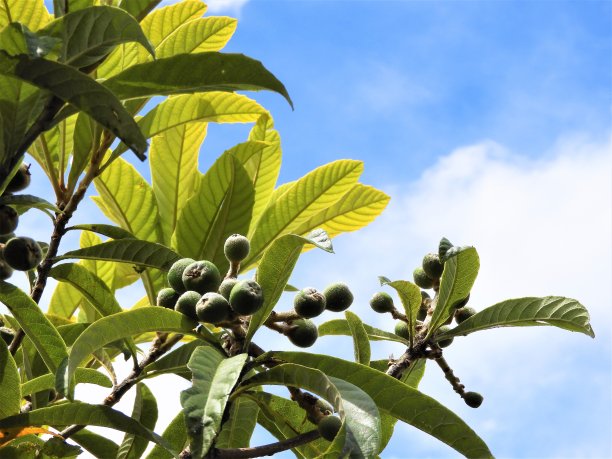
309	303
463	314
186	304
236	248
382	302
246	297
338	297
473	399
167	298
21	180
9	219
444	342
212	308
401	329
22	253
226	287
202	276
432	265
7	335
422	279
329	427
175	274
303	333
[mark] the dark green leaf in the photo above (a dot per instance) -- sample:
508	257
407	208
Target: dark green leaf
341	327
24	202
139	8
361	343
144	411
236	432
114	232
99	446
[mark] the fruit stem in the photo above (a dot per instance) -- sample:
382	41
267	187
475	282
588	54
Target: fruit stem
449	375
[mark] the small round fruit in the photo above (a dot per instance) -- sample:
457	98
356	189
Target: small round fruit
463	314
338	297
236	248
432	265
167	297
9	219
212	308
329	427
401	329
22	253
175	274
7	335
20	180
382	302
422	314
461	303
186	304
309	302
445	342
246	297
303	333
226	287
473	399
202	276
422	279
5	270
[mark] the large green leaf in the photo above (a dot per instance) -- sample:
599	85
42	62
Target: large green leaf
64	301
31	13
557	311
275	270
23	202
36	326
79	90
397	399
114	232
361	342
120	326
145	412
341	327
315	191
214	377
236	432
221	206
67	414
10	395
97	445
174	170
460	271
189	73
89	34
199	35
139	8
82	375
175	435
410	296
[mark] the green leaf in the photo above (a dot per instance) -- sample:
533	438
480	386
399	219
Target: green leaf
199	35
82	375
67	414
236	432
275	270
86	138
145	412
341	327
410	296
214	377
397	399
361	343
175	435
90	34
460	271
312	193
32	13
97	445
81	91
175	361
10	395
114	232
116	327
23	202
221	206
139	8
174	171
16	39
64	301
36	326
557	311
133	251
189	73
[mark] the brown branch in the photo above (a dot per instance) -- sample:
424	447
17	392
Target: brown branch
450	376
266	450
285	316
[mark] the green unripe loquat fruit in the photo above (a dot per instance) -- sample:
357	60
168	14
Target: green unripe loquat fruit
329	427
382	302
20	180
432	265
212	308
186	304
236	248
226	287
22	253
463	314
338	297
5	270
175	274
473	399
246	297
461	303
202	276
303	332
445	342
309	302
167	298
422	279
9	219
401	329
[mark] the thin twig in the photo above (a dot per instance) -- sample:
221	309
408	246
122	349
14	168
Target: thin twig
266	450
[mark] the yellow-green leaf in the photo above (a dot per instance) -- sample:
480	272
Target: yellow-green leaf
203	34
31	13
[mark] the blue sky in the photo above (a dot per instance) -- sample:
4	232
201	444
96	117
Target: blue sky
488	122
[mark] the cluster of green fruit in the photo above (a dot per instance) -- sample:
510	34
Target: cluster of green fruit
20	253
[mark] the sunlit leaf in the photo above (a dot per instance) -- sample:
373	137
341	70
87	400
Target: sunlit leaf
144	411
82	375
175	435
31	13
361	343
10	395
200	35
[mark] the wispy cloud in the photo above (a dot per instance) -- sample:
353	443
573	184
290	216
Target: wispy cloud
218	6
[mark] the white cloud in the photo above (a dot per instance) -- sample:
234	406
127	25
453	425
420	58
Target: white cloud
218	6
